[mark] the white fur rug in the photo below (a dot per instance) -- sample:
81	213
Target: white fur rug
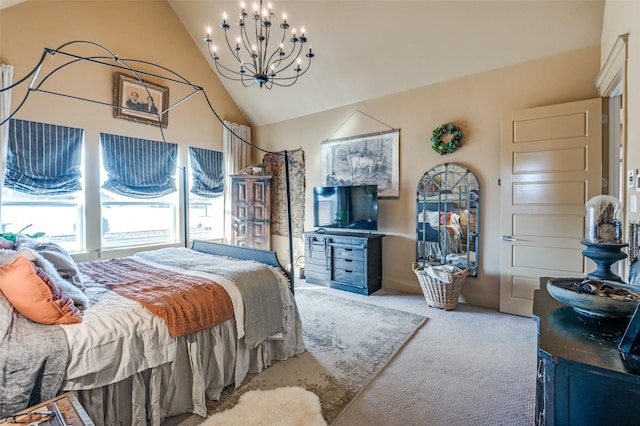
288	406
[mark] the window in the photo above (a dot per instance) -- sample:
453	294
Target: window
206	218
59	217
128	221
43	183
206	197
138	198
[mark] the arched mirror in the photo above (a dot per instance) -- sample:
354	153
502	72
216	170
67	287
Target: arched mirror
448	202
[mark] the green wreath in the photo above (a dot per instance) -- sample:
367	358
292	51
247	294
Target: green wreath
446	147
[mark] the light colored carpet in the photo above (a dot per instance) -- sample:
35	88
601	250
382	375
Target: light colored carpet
288	406
469	366
348	342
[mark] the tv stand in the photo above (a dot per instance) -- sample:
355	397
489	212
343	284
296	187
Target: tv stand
350	261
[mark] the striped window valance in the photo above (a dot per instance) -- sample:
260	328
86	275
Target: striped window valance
207	171
43	159
138	168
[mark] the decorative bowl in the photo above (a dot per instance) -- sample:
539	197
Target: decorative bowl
593	304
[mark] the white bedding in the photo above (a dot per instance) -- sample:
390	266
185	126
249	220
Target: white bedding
116	339
128	369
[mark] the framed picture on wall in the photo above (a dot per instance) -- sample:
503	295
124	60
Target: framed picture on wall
370	159
140	100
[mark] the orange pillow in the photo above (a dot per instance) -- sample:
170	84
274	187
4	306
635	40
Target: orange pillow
33	295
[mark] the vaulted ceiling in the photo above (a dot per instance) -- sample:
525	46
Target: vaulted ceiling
371	48
367	49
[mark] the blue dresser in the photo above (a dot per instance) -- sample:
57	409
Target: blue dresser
348	261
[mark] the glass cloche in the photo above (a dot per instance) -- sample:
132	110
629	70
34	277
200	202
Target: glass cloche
603	220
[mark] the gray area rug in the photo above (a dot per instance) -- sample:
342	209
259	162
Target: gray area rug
348	343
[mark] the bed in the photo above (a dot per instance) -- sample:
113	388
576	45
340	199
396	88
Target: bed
131	366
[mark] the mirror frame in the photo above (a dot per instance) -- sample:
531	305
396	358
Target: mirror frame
444	190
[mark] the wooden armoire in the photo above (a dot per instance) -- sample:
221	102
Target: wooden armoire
250	211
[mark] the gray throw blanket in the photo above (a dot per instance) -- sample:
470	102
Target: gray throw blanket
33	360
257	283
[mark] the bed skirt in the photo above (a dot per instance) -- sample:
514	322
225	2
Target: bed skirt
206	362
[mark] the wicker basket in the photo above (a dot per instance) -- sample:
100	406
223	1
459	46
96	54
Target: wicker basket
440	294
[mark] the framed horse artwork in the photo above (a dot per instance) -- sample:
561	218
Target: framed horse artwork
370	159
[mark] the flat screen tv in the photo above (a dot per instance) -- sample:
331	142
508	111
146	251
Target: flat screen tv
347	207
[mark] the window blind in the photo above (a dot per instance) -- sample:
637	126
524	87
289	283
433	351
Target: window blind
207	171
138	168
43	159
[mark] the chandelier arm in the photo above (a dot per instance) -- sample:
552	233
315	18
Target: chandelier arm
245	42
221	67
284	36
273	61
275	81
248	47
249	67
247	82
280	48
256	54
234	75
234	52
278	63
265	51
299	74
291	57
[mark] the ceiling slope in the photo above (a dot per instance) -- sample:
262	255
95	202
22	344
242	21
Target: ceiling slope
367	49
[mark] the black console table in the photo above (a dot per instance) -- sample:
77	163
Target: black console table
583	378
344	260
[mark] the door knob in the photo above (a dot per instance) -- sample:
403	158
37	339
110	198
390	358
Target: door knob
508	238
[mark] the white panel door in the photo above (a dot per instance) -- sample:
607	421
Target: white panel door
551	165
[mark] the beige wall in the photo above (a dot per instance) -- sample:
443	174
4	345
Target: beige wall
475	104
145	30
151	31
622	17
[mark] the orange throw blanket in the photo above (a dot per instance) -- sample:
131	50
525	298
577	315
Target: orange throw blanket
186	304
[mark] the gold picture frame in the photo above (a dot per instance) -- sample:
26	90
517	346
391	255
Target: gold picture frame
140	101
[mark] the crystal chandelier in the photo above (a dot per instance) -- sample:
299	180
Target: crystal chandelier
256	61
